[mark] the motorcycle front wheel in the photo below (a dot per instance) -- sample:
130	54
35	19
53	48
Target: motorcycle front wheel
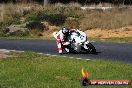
91	48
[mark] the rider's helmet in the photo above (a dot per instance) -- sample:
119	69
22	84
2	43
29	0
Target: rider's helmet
64	30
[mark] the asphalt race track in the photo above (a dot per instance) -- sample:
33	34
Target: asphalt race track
106	50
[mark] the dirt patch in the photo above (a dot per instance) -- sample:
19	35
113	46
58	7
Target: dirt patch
4	54
120	33
49	30
96	33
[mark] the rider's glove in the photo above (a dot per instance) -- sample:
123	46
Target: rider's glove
66	43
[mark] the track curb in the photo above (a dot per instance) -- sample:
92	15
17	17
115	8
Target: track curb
53	55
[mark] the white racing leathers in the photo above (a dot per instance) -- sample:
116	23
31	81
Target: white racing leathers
60	39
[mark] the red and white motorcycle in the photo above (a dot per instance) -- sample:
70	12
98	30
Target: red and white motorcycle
78	42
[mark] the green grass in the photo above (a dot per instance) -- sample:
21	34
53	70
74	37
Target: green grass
30	70
125	39
29	38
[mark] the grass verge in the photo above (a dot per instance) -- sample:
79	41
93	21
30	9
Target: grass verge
31	70
29	38
125	39
116	39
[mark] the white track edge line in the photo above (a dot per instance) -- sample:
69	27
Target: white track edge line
6	50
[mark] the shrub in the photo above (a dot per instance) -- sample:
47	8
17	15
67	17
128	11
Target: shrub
18	34
2	34
52	18
2	25
35	25
12	19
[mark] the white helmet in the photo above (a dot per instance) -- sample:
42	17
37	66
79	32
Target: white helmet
64	30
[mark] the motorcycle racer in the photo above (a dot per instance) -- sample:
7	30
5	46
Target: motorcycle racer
72	30
61	39
74	40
